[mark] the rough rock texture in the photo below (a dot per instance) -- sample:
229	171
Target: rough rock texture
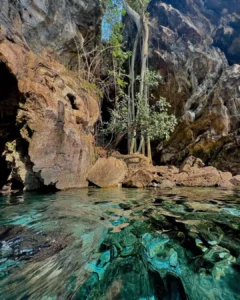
47	117
224	184
208	176
107	172
60	24
139	179
55	120
134	162
193	45
193	173
235	180
191	162
136	171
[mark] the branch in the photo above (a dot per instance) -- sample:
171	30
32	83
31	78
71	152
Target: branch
132	13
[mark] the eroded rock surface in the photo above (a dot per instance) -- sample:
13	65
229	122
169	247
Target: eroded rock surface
46	116
54	122
60	25
107	172
192	173
194	45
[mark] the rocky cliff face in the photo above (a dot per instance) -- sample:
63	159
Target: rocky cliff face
46	115
195	47
59	25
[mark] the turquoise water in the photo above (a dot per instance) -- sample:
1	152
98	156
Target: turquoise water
121	244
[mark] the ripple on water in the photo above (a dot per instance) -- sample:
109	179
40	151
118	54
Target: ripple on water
121	244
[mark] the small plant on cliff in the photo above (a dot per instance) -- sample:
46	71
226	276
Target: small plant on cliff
113	34
133	115
152	121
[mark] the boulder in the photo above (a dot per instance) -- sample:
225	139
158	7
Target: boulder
107	172
226	184
235	180
190	163
167	172
167	184
205	177
139	179
226	176
134	162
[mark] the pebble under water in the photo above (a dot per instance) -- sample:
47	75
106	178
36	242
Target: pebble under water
121	244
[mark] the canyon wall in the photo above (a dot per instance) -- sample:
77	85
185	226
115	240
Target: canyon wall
195	46
47	114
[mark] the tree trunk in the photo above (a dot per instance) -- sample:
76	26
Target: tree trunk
143	30
149	150
132	108
145	46
132	13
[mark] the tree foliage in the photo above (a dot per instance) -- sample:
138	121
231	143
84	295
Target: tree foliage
133	115
140	6
152	120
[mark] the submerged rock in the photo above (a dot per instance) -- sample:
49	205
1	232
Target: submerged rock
20	243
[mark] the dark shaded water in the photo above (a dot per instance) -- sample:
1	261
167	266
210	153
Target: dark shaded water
121	244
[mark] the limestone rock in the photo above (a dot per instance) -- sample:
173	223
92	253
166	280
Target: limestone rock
55	118
191	162
139	179
195	47
236	180
205	177
224	184
164	170
166	184
134	162
59	25
107	172
227	176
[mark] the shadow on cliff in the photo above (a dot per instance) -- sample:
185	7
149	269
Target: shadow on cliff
13	148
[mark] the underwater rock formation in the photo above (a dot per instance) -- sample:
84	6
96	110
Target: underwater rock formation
175	253
194	46
46	116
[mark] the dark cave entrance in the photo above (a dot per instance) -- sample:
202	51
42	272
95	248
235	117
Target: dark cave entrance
9	103
4	171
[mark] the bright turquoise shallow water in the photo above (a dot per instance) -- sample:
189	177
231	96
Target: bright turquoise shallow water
121	244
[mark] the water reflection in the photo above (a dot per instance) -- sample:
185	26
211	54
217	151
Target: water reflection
121	244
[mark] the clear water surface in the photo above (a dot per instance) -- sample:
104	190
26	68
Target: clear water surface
121	244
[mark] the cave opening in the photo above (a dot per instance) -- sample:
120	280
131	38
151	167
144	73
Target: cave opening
9	103
4	170
72	100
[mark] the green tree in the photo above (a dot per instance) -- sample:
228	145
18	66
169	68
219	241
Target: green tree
133	115
151	120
